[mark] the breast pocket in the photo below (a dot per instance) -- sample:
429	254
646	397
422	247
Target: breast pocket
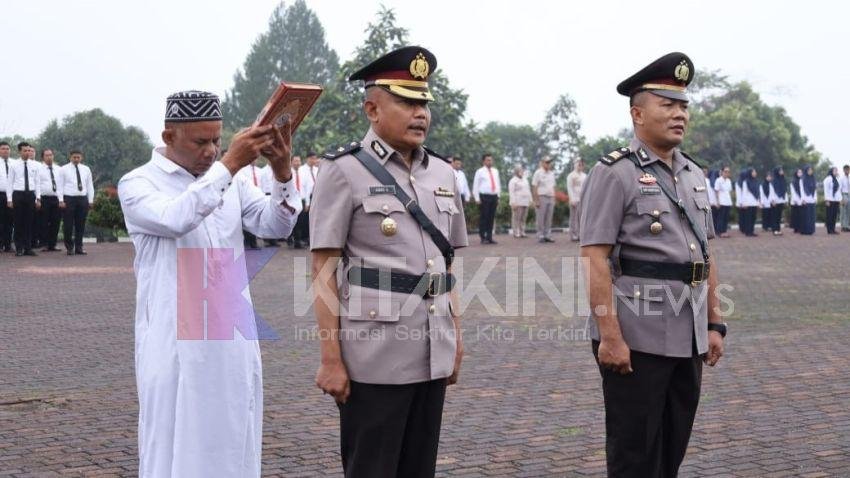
655	213
703	211
446	210
379	218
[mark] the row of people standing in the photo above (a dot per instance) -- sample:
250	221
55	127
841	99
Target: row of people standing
772	194
540	194
35	196
304	177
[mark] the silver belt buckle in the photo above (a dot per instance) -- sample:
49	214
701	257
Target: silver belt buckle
434	279
697	273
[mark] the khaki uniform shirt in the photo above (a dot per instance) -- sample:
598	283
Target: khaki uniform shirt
662	317
544	181
388	337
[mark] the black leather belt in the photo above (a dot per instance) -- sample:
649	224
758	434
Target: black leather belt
690	273
425	285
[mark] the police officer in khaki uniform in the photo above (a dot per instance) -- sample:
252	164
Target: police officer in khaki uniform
389	337
645	225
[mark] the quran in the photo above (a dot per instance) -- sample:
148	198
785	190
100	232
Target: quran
290	102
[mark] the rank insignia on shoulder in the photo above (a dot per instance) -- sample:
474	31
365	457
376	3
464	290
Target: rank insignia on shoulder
386	189
432	153
647	179
379	149
442	192
615	156
334	153
699	189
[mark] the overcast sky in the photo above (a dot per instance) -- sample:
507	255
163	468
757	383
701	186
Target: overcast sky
513	58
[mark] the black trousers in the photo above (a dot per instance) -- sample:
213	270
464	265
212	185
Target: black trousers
766	218
832	208
391	431
722	224
649	414
76	212
796	212
301	231
777	217
23	212
489	202
47	221
6	221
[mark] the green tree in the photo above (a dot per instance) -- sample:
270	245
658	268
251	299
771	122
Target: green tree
13	141
520	144
293	49
109	148
737	128
560	131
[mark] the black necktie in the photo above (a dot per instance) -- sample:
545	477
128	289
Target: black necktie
79	180
52	179
26	177
7	166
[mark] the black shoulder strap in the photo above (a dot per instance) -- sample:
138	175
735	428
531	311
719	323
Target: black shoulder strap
687	156
387	179
435	155
703	242
333	154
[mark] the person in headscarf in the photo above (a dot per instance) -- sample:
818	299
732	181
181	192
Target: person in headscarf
844	181
765	202
739	198
796	200
750	200
723	189
779	198
809	190
832	198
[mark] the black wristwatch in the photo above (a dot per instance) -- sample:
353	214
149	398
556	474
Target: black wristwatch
721	328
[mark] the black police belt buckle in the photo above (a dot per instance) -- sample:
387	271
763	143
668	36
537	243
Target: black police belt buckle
693	273
435	279
428	285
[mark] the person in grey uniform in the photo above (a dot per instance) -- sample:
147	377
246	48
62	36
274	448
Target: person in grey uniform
386	311
645	226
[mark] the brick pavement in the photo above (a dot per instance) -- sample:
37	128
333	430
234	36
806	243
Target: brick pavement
527	405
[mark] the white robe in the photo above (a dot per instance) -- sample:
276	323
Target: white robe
200	401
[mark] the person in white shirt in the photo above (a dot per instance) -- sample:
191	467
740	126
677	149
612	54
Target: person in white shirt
543	194
575	184
778	199
460	178
23	196
76	197
796	200
304	186
198	367
49	217
832	198
766	195
844	181
5	210
723	188
308	172
519	194
750	198
809	194
710	178
251	174
486	189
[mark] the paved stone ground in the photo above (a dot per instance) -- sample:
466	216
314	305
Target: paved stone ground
527	405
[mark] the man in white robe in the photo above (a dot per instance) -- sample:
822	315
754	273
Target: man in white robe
198	368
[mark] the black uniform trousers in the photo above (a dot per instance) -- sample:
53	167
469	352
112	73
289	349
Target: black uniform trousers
23	204
74	226
649	414
301	231
487	215
722	224
391	431
47	221
832	208
777	211
796	212
5	223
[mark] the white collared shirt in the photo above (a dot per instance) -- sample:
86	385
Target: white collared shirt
308	174
808	198
519	192
844	183
69	186
575	183
17	180
481	182
828	187
169	214
712	193
462	184
49	186
4	166
723	188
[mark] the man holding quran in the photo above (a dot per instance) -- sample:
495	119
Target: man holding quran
387	313
200	388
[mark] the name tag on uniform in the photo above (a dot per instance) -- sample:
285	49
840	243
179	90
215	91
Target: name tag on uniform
699	189
650	190
444	193
375	190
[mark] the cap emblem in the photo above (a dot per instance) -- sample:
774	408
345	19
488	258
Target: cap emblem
419	67
682	72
